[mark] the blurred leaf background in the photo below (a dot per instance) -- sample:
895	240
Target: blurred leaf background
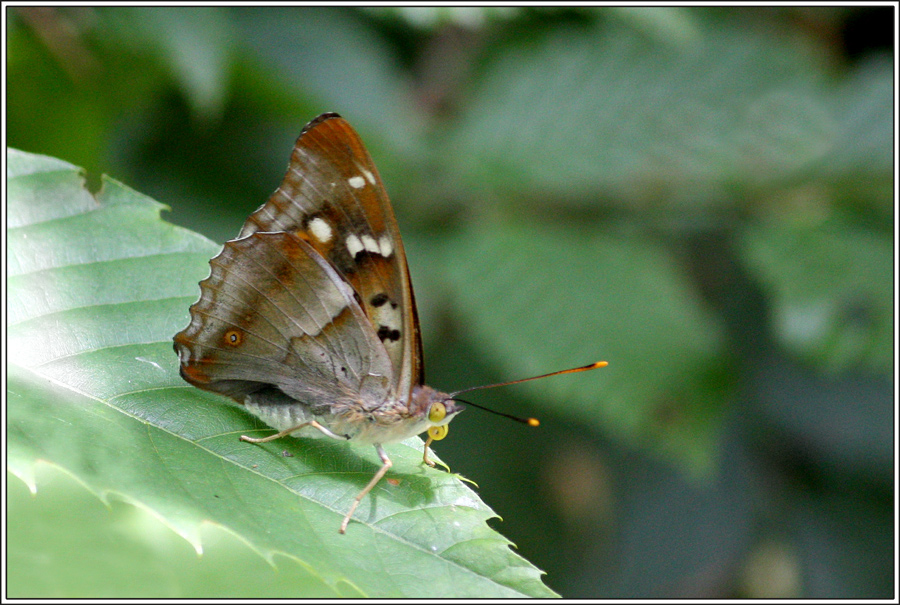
701	196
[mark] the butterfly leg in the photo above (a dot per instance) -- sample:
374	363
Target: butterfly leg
384	468
315	424
425	457
286	432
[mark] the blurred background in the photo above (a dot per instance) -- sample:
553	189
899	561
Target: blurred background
701	196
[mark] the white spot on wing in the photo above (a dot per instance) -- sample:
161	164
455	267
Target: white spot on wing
382	246
322	230
184	354
369	176
354	245
386	315
385	246
357	182
370	244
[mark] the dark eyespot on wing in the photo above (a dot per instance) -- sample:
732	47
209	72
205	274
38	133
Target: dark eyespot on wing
386	333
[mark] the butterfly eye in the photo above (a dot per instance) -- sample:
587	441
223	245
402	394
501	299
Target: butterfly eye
436	433
437	413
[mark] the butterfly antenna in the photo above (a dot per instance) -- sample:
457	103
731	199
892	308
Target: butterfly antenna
528	421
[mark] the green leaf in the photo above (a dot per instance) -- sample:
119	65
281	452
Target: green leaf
318	51
331	59
194	43
433	17
860	164
126	550
544	298
672	25
602	111
97	288
831	291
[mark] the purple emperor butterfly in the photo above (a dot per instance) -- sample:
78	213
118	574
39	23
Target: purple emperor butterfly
308	318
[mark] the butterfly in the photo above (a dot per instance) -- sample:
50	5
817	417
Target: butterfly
308	318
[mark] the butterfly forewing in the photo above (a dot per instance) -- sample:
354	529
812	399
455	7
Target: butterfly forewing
332	198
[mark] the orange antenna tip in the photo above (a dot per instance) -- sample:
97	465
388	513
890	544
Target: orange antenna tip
592	366
533	422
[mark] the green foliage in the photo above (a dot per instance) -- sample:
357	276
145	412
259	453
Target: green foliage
193	45
518	323
826	284
703	197
98	288
124	549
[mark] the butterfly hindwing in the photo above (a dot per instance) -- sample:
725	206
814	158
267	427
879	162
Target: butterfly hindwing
273	312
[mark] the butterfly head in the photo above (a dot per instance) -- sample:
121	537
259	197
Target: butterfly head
438	408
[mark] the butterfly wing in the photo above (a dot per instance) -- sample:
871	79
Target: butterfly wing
333	199
274	313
